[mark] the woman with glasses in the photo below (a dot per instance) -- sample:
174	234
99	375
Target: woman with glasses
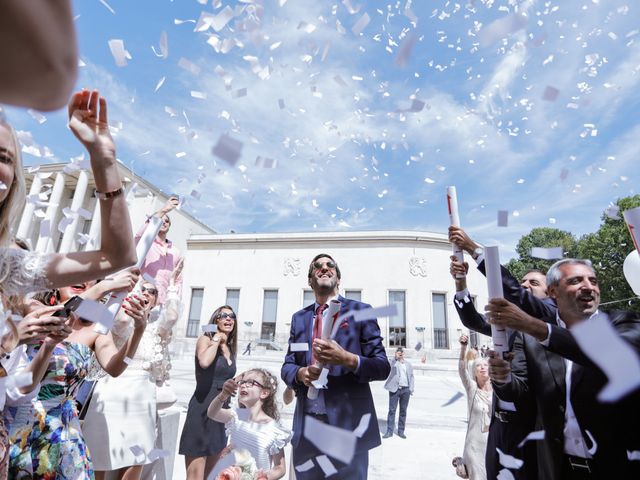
203	439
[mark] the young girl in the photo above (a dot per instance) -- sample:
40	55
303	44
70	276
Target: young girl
254	426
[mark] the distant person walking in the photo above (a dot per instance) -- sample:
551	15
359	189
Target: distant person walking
247	351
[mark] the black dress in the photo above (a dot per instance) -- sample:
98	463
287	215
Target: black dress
201	436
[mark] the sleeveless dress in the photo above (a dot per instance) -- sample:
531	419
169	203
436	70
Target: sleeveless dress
201	436
475	443
45	436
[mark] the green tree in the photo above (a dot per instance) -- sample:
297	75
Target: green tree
544	237
607	248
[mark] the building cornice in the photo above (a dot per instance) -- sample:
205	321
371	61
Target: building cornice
432	239
128	176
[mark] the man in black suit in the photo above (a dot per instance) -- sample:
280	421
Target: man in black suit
510	421
584	438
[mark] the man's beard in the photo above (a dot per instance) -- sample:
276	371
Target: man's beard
323	289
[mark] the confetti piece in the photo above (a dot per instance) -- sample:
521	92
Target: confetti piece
127	360
157	453
505	474
299	347
361	24
209	328
159	84
304	467
404	53
550	94
547	253
200	95
536	435
120	54
503	218
189	66
164	46
266	162
330	440
228	149
429	180
457	396
241	92
325	464
281	103
633	455
107	6
136	450
37	116
509	461
220	21
614	356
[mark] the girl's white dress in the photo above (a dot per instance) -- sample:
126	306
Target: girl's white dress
261	439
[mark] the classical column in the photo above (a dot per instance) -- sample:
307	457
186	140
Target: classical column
55	198
68	239
94	229
27	215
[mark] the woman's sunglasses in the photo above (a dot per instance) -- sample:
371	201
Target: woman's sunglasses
224	316
152	291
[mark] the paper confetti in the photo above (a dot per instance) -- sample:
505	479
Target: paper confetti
228	149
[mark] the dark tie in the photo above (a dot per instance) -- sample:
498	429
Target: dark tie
317	329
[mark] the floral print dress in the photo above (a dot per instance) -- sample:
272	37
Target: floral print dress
45	436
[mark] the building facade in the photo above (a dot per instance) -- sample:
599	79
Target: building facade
264	276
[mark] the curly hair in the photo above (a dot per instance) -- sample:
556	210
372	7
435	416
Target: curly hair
270	382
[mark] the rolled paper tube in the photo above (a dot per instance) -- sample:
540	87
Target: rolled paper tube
499	335
632	217
454	221
142	249
329	316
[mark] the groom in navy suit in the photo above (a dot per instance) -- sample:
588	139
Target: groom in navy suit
355	358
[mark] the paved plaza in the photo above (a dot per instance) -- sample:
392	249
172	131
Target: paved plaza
435	433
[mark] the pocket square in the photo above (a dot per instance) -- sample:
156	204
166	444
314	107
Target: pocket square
344	324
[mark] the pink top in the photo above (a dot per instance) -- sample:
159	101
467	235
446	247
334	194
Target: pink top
159	264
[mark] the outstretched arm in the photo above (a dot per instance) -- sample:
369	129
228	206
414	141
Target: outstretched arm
215	410
88	122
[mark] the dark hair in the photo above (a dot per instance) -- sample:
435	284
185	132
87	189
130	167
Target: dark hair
232	340
534	270
270	383
399	349
323	255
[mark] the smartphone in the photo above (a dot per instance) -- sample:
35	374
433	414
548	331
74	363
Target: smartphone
70	305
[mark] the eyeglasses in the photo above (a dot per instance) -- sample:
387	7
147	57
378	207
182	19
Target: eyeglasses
330	265
224	316
251	383
152	291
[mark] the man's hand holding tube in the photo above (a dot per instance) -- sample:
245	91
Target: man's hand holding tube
329	352
503	313
499	369
309	374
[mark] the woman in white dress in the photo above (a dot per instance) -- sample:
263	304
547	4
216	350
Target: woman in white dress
120	425
479	396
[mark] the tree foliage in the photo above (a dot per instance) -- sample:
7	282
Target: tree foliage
544	237
607	249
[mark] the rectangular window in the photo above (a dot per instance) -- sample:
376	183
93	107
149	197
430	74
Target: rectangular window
353	295
397	323
269	314
308	298
195	310
440	331
233	298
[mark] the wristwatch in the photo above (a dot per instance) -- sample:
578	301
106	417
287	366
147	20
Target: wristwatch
477	252
216	339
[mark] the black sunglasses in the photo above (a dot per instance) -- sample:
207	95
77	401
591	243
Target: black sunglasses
329	264
224	316
152	291
251	383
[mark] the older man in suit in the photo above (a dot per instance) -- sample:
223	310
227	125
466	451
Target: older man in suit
584	438
355	357
400	385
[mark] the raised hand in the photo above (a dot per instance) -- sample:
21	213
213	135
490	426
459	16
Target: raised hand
124	280
88	122
177	270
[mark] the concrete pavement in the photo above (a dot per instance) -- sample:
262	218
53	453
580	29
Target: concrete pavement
435	433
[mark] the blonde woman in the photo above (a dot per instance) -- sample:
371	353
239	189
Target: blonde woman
479	396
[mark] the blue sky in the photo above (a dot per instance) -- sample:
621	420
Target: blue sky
347	156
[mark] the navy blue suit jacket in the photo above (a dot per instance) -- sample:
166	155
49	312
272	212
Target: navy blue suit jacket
348	396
